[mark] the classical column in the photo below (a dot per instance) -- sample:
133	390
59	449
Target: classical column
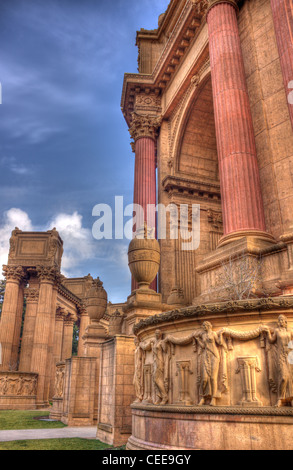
48	278
283	22
68	336
10	312
239	173
50	378
32	297
84	323
58	338
143	131
18	322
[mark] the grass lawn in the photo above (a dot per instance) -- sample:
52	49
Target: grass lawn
10	420
57	444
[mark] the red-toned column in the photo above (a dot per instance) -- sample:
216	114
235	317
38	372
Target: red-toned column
239	173
143	130
283	21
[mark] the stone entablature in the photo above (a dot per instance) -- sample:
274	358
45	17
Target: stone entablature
197	189
180	38
35	248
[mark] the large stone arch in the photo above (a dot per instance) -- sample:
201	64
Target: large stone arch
196	147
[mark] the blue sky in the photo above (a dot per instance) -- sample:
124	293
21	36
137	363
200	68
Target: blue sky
64	144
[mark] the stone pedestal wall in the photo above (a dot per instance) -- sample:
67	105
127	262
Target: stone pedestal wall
79	392
116	390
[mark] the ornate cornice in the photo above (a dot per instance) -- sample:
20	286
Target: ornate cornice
14	273
197	311
178	43
31	295
217	410
144	126
177	185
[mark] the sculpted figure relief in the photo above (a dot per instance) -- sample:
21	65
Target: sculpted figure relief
212	350
18	386
212	362
138	374
280	370
59	382
161	358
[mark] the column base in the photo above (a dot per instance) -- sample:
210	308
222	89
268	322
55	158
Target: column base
250	235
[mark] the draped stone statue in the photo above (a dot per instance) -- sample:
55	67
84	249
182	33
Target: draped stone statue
138	374
280	370
212	376
161	357
212	362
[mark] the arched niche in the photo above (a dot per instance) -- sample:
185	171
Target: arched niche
196	155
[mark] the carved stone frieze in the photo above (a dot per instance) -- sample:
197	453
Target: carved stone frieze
214	353
18	384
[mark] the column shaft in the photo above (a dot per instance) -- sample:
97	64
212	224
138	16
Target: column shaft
67	339
283	22
50	378
145	178
84	323
239	173
145	186
9	315
43	334
58	338
32	296
17	329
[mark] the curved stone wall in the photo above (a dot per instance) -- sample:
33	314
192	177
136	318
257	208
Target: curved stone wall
197	364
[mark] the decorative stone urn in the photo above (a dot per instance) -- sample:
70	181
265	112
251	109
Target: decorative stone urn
96	302
144	256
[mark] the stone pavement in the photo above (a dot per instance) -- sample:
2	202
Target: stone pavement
22	435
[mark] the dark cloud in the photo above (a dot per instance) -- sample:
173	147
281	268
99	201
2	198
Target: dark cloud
64	145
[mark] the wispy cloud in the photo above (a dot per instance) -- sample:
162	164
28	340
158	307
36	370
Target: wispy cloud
79	245
15	167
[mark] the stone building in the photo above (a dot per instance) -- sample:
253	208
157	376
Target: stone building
210	367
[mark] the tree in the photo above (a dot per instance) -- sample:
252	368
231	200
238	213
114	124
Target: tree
75	340
240	278
2	291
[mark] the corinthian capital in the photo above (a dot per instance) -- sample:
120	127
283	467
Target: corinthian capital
203	6
14	273
144	126
49	274
31	295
